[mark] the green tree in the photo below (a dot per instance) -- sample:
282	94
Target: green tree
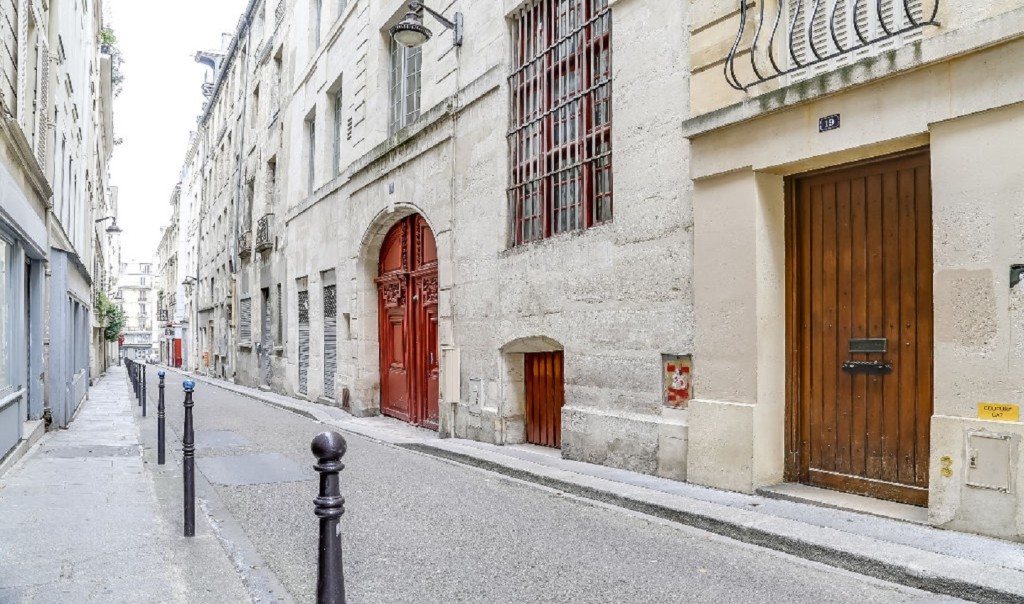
108	44
112	317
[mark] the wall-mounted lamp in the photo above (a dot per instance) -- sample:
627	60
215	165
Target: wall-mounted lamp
113	228
411	32
189	282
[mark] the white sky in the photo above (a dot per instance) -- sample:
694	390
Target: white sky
159	105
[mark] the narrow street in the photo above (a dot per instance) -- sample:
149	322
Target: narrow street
419	529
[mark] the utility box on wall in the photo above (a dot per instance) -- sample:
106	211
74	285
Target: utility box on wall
989	461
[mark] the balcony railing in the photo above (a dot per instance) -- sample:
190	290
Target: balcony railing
245	245
803	34
264	241
279	12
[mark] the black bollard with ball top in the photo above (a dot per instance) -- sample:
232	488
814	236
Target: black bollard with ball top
329	448
161	430
188	462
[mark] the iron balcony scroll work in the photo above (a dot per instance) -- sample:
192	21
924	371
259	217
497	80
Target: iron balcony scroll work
815	31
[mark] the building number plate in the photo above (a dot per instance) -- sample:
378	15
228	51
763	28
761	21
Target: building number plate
829	122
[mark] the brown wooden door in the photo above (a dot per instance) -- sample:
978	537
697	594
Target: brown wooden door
545	395
860	328
407	286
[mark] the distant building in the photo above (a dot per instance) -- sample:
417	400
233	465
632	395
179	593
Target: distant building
136	295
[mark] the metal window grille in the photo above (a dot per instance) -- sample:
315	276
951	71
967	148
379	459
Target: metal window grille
303	341
245	321
330	339
404	86
560	143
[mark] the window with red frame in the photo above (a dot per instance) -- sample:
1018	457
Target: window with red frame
560	144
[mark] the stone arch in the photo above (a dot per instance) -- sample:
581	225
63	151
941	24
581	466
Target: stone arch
513	355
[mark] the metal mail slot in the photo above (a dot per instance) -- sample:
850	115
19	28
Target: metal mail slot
868	345
874	367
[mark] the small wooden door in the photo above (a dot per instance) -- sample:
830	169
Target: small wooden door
860	328
545	395
407	286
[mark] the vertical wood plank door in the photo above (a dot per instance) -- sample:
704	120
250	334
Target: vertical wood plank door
545	395
407	286
860	351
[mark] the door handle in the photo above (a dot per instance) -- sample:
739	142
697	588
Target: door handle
872	367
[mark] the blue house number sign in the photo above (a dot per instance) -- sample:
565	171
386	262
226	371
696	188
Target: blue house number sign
829	122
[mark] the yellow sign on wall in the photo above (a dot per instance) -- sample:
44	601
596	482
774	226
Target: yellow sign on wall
1000	412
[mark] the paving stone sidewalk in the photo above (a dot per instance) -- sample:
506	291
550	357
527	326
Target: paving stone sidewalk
80	519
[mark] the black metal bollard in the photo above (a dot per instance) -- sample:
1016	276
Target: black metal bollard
188	448
138	387
329	448
160	414
143	368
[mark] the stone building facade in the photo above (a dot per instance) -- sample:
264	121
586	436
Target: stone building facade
136	295
598	225
858	231
55	141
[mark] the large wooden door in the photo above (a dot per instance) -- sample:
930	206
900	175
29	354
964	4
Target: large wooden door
545	396
407	285
860	328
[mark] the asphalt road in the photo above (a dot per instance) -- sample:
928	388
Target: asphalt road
420	529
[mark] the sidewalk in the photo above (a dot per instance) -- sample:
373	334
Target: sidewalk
967	566
80	520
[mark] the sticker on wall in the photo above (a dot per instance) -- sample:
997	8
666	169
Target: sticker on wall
1000	412
678	373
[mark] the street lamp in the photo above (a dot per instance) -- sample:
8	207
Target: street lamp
411	32
113	228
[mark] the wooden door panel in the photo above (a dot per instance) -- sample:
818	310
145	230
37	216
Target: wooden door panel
430	373
861	267
395	386
545	396
408	328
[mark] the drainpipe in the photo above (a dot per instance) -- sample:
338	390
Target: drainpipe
451	252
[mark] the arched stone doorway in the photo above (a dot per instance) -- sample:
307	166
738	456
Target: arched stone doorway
407	311
535	391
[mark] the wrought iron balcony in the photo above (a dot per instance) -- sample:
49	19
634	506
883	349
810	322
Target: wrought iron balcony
803	34
264	241
279	12
245	245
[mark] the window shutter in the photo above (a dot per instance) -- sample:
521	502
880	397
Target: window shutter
330	339
303	341
42	102
245	321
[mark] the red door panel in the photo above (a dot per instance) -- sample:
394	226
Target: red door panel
545	396
407	288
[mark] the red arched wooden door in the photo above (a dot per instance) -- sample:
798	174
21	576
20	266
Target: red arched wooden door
407	285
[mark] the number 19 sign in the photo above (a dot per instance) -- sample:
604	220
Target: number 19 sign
829	122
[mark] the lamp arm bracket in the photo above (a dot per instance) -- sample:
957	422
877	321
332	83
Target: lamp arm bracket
417	6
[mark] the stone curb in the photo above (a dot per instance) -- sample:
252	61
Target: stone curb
886	570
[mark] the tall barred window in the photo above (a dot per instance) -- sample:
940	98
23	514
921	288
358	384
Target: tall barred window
560	143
